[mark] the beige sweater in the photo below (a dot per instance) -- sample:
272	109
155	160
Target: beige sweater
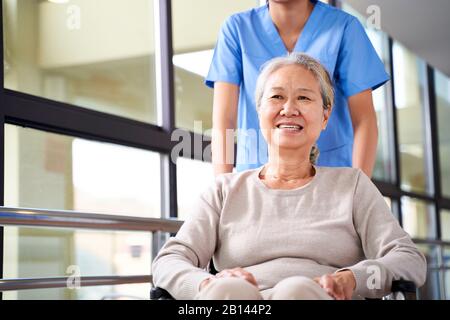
338	220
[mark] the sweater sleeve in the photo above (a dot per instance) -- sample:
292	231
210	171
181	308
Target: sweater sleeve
389	251
180	265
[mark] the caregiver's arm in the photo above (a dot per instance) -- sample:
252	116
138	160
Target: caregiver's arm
225	107
390	252
365	130
180	265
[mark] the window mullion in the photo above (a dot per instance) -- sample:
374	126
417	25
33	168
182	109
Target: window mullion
165	109
432	144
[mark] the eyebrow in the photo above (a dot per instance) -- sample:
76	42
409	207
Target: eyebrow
298	89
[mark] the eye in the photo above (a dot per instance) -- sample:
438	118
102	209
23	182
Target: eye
304	98
276	96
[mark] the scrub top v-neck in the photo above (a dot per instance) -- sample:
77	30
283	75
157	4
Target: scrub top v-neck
249	39
275	38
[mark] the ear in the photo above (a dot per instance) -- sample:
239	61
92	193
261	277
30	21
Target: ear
326	117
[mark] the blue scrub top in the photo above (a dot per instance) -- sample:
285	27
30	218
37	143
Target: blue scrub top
337	39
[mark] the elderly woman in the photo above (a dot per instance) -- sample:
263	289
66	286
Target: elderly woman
290	229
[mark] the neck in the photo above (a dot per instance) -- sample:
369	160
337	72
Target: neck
290	17
288	164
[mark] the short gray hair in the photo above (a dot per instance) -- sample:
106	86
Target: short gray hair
309	63
305	61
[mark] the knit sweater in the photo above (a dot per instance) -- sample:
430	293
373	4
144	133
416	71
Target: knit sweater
338	220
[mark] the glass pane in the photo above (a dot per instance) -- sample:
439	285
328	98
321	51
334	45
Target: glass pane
446	256
97	54
431	289
384	163
52	171
119	292
418	218
191	173
409	82
432	254
53	252
194	37
445	225
447	284
442	85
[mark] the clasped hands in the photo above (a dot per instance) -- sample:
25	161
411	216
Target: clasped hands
339	285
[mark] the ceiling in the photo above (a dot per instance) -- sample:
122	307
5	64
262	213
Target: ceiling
422	26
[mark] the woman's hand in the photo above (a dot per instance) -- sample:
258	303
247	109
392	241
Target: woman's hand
236	272
338	285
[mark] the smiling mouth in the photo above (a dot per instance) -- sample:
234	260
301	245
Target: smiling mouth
290	127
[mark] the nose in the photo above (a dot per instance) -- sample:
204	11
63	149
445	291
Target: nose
290	109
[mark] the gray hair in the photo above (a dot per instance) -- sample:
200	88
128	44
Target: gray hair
310	64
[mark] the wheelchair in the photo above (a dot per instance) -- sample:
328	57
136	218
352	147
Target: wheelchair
400	290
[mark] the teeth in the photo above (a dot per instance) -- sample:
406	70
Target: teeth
283	126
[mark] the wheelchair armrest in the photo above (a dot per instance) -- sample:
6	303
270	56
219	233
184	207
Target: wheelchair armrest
402	290
157	293
403	286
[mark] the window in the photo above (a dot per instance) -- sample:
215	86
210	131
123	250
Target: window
117	292
93	54
190	173
414	135
442	86
409	82
418	218
194	38
384	169
431	288
447	284
445	225
384	165
446	257
46	170
52	252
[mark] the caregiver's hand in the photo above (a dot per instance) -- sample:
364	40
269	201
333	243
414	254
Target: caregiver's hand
338	285
235	272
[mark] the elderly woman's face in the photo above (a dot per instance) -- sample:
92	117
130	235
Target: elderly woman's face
291	111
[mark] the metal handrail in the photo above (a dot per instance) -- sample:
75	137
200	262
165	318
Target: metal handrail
431	241
73	219
62	282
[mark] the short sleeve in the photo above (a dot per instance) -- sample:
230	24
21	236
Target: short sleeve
358	67
226	64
